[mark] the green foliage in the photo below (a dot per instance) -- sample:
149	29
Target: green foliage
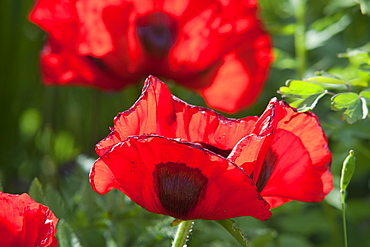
229	225
347	170
353	105
36	192
365	7
66	235
50	132
306	94
265	238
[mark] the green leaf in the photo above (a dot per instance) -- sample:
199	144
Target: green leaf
353	105
347	170
365	7
366	95
358	82
324	79
56	203
300	89
364	67
265	239
315	38
66	236
36	192
229	225
307	104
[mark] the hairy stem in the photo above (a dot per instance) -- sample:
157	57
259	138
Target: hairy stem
182	233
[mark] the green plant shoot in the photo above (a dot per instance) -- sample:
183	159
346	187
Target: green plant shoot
347	172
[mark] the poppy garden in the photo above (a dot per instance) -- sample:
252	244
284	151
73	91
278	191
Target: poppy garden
185	123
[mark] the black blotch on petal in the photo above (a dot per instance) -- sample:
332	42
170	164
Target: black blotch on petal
267	169
222	152
179	187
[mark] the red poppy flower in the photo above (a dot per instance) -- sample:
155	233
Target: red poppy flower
24	222
202	45
190	162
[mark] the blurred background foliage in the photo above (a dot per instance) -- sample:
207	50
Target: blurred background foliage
50	133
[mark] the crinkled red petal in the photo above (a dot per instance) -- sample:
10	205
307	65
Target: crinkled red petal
289	164
24	222
141	167
302	133
293	174
158	112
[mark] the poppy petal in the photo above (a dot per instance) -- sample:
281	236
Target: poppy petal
157	172
213	31
63	66
245	71
24	222
305	126
59	18
312	180
250	151
289	173
160	113
283	159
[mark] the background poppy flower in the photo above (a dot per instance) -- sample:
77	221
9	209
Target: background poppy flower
24	222
201	45
274	150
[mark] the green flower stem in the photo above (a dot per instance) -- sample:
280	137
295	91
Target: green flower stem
347	172
344	218
300	37
182	233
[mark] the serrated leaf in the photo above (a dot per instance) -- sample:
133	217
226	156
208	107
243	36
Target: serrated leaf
229	225
66	236
36	192
358	82
56	203
366	94
353	105
324	79
300	89
308	103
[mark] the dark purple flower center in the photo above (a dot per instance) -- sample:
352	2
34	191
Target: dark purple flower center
157	33
179	187
267	169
